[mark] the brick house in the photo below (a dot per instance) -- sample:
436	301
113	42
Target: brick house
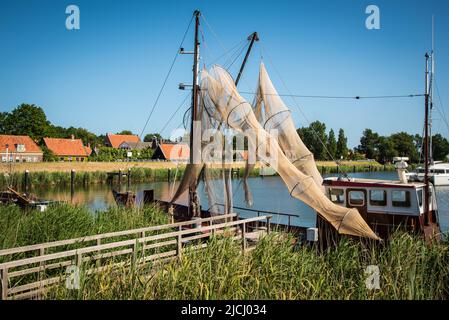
19	149
68	149
115	140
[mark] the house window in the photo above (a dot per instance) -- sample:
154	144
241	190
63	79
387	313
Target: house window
400	198
378	197
20	148
356	198
337	195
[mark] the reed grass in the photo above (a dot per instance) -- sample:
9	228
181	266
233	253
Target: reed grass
276	269
20	227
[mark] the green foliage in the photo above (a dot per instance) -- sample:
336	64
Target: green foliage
314	137
48	155
149	137
26	119
59	222
369	144
125	132
112	154
342	145
276	269
440	147
332	144
405	146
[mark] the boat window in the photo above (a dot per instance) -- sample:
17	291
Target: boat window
439	170
378	197
337	195
420	194
356	198
400	198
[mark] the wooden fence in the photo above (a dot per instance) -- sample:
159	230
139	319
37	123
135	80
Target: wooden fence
30	270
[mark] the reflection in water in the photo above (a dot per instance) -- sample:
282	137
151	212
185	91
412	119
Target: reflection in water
269	194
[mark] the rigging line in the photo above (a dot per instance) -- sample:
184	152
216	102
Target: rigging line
338	97
166	78
238	55
442	113
303	114
175	112
231	58
236	46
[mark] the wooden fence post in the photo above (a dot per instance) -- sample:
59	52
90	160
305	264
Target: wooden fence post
268	225
179	242
4	283
243	237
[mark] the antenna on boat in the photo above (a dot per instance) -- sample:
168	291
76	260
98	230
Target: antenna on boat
426	144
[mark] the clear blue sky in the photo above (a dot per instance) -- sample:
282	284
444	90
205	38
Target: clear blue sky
105	76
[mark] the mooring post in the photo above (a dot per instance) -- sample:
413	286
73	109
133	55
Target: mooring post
129	177
26	181
168	175
119	178
179	242
72	184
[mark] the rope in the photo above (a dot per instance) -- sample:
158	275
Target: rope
338	97
166	78
174	113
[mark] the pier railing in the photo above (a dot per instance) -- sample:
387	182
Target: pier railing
29	277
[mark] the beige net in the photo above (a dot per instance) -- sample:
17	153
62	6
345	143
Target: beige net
223	103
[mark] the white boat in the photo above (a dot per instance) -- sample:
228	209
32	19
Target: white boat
438	173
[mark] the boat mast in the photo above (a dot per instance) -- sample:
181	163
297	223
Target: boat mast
253	37
426	144
431	88
193	199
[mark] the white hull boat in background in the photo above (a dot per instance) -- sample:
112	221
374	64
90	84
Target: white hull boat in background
438	173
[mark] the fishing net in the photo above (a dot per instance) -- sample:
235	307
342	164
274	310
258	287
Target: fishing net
223	103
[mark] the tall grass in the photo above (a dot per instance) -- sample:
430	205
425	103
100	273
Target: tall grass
62	221
275	269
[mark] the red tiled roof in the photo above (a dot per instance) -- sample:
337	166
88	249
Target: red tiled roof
66	147
175	151
13	141
117	139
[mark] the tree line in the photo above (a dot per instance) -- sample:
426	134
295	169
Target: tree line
325	146
31	120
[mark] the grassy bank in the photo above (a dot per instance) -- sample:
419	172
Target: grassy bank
58	174
409	269
20	228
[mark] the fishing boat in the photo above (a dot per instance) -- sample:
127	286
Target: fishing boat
438	174
365	208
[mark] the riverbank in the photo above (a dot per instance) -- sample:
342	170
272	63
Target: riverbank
59	173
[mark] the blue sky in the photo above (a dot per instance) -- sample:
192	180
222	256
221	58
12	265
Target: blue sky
106	76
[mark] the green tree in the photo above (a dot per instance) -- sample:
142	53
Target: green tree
369	144
440	147
26	119
315	138
332	144
405	146
125	132
342	145
3	116
386	150
149	137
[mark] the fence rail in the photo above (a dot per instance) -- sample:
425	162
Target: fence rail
142	248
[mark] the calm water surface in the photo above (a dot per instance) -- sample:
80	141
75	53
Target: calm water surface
269	194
